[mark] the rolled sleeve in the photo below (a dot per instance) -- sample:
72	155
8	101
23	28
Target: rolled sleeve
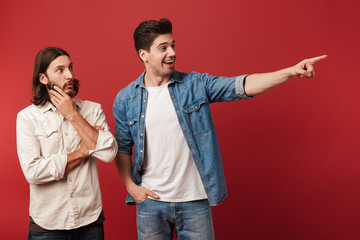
106	147
58	167
223	89
239	87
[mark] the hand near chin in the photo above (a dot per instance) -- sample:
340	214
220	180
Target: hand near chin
63	102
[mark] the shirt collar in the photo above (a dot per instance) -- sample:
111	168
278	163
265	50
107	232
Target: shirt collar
49	106
175	77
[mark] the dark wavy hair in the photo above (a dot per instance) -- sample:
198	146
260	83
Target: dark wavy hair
42	61
148	30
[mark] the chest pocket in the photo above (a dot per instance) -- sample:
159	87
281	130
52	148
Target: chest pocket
46	133
133	123
199	116
50	141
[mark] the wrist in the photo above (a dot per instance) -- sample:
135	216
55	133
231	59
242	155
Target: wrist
290	73
130	185
73	116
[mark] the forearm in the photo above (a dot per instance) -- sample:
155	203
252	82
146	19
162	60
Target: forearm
89	135
124	167
258	83
75	158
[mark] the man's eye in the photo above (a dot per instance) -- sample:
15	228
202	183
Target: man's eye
71	68
59	70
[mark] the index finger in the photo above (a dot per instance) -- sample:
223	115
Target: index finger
151	194
56	93
59	90
316	59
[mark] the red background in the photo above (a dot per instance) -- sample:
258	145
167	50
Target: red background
291	156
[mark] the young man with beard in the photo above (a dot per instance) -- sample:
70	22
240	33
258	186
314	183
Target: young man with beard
177	172
59	138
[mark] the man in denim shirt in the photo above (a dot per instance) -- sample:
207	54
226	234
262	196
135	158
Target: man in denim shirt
177	172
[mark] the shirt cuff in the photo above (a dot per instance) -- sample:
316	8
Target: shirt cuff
106	147
239	87
97	143
58	167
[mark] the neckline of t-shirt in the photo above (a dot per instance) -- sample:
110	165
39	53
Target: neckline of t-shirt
158	87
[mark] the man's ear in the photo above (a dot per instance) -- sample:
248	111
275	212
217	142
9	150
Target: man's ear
143	54
43	78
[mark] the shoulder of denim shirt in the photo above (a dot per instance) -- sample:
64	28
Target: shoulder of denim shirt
130	90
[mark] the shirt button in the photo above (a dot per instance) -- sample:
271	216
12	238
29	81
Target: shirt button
142	115
141	150
71	195
172	96
70	180
184	129
177	111
141	134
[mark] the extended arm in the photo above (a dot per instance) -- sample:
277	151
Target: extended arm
124	168
259	83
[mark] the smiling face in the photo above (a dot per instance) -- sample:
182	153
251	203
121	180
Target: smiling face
160	59
60	73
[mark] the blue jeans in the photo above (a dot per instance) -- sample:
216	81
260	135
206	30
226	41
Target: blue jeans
92	232
191	220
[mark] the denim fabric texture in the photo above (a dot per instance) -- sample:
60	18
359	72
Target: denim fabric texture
91	232
191	95
192	220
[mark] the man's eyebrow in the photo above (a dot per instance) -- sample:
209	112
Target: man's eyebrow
62	66
165	43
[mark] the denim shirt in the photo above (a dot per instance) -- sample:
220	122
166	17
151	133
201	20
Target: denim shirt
191	95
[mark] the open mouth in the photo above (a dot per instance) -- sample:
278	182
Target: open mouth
169	62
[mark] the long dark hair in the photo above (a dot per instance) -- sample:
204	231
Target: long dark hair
42	61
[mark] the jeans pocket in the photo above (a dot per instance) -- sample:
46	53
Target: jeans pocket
142	202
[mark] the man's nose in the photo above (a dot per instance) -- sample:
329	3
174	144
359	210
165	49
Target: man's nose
69	73
171	52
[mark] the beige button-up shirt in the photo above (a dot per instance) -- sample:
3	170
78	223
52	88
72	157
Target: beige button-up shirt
44	138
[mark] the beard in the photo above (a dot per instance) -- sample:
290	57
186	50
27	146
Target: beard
71	93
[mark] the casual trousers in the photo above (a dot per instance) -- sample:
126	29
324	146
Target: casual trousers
92	232
157	220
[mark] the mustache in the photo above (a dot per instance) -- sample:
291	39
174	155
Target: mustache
74	82
70	82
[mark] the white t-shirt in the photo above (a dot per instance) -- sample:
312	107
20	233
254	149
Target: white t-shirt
169	168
